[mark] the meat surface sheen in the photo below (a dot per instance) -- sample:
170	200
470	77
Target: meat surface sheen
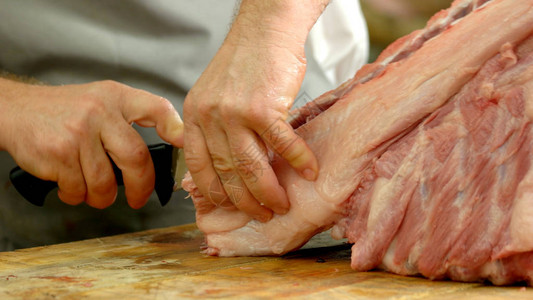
454	197
424	156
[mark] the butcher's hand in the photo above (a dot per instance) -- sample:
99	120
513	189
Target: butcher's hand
239	106
62	134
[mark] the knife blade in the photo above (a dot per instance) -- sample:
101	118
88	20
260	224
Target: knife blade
169	165
179	168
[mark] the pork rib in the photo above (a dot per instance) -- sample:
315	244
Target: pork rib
424	156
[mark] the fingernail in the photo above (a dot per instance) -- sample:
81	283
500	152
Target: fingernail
309	174
176	131
264	218
282	210
284	204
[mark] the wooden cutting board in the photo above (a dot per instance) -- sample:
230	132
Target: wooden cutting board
167	264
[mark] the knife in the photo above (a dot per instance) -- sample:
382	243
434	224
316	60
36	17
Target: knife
169	165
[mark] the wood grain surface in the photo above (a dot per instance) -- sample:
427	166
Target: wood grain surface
167	264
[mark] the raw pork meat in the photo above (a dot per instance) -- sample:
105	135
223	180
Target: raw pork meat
424	156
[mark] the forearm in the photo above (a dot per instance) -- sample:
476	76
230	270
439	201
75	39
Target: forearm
11	86
284	22
19	78
9	89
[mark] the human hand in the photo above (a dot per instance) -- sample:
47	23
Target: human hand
64	134
237	109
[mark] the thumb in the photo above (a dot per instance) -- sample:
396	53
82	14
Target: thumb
148	110
171	129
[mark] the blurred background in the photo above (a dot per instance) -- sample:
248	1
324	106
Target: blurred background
387	20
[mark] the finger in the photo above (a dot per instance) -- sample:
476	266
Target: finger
284	141
70	184
236	189
251	161
98	174
72	188
242	198
201	168
130	153
148	110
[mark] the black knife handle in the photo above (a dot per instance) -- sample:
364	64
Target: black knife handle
35	190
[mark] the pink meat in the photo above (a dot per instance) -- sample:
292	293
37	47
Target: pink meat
424	156
459	184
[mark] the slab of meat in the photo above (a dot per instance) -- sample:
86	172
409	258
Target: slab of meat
425	162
